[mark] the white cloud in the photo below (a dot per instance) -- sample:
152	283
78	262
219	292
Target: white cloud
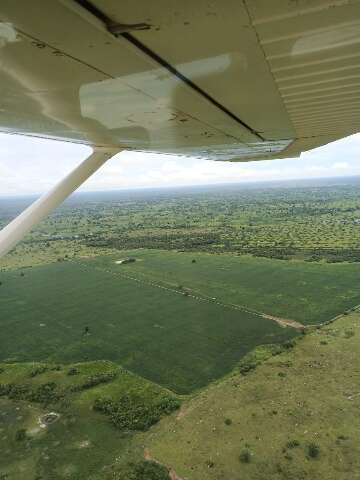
341	166
30	165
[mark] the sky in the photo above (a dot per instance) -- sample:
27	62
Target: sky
33	166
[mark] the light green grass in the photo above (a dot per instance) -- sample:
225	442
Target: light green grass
308	395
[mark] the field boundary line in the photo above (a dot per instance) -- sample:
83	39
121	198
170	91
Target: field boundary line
200	297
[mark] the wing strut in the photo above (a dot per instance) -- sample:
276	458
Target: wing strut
16	230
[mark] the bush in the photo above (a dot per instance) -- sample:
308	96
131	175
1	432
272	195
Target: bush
245	456
45	393
228	421
131	413
18	392
246	367
94	380
293	444
313	450
4	389
149	470
73	371
20	435
38	371
289	344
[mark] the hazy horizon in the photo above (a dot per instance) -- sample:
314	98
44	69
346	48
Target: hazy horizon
289	183
25	168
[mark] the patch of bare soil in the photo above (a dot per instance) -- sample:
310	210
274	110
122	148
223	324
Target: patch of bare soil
285	322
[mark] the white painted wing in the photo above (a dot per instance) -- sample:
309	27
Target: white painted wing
222	79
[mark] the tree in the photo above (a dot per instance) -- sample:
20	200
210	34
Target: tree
20	435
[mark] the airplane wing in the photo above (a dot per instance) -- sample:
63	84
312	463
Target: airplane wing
228	80
223	79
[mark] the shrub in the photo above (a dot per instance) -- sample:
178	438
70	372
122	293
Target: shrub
131	413
17	392
94	380
45	393
149	470
245	456
313	450
38	371
73	371
293	444
289	344
228	421
246	367
4	389
20	435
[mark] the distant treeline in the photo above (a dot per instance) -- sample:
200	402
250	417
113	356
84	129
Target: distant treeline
213	243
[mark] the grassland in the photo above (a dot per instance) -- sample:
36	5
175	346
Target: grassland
296	416
72	312
310	293
82	443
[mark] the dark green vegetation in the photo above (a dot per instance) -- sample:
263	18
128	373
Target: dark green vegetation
79	441
178	341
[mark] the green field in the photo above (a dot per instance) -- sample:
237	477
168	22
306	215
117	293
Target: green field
165	317
310	293
175	340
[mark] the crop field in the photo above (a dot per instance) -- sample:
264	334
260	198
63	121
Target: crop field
77	311
308	292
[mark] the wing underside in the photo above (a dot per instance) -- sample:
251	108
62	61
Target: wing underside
224	80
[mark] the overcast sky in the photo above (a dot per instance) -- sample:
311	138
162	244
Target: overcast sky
30	166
